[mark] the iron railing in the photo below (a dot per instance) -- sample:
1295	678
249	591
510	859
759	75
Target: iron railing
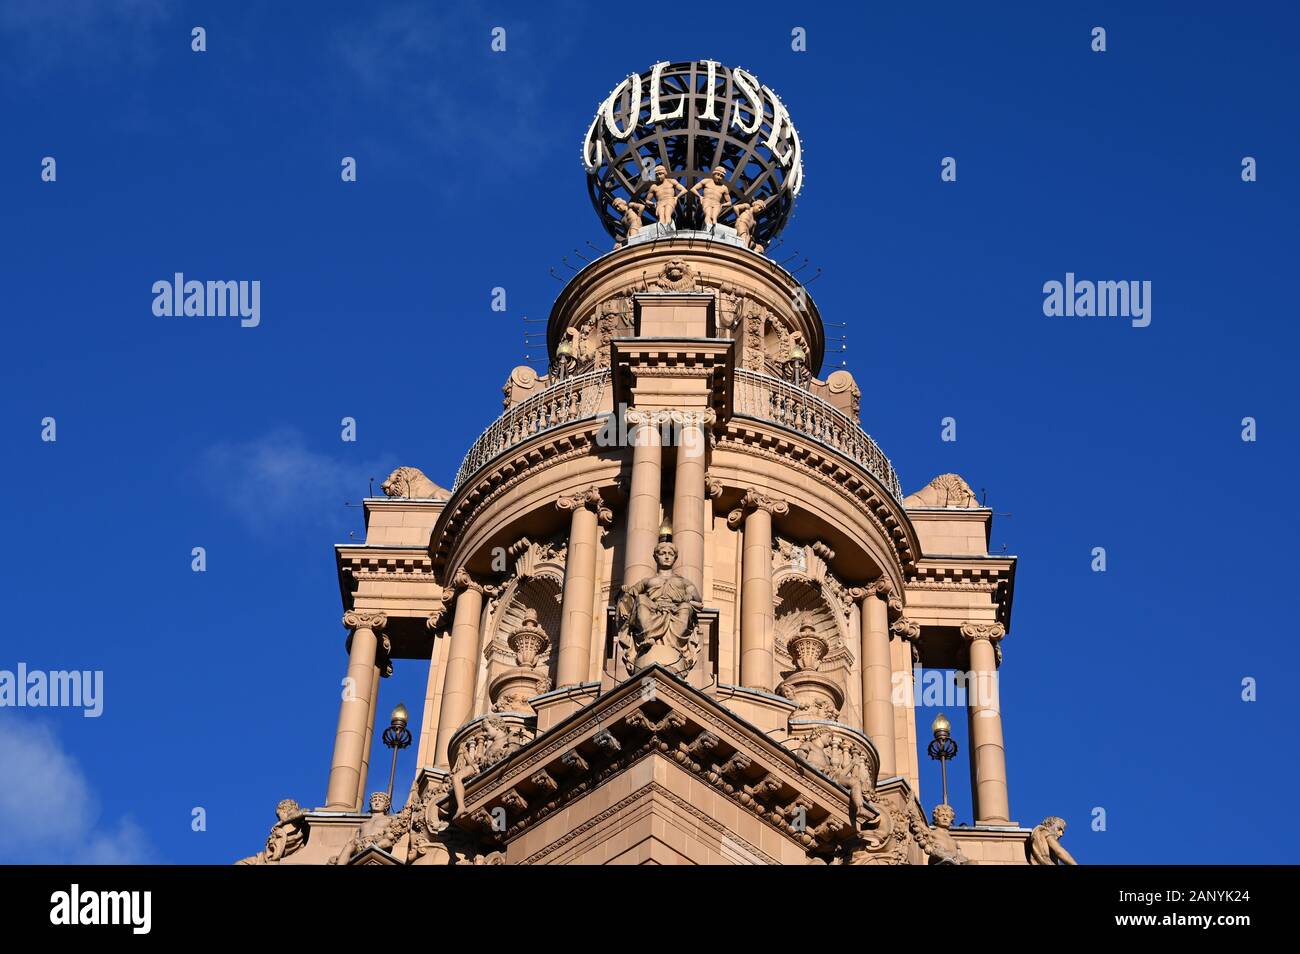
570	400
772	399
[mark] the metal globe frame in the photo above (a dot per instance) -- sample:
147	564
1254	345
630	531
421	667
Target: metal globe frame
690	148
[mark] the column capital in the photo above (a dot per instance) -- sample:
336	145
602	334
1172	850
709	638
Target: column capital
990	631
703	418
880	587
646	417
712	487
905	629
587	497
753	500
461	580
375	622
362	619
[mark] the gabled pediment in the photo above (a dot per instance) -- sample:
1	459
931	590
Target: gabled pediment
373	855
655	769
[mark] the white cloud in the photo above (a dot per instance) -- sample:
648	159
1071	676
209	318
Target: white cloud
48	811
277	479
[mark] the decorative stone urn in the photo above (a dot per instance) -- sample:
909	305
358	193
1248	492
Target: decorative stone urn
511	690
807	649
818	696
528	641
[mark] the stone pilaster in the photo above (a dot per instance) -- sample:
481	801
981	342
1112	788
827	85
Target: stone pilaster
984	710
574	652
757	667
367	651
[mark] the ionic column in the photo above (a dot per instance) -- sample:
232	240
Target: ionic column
370	728
346	767
689	493
877	700
757	667
462	663
643	497
988	754
589	511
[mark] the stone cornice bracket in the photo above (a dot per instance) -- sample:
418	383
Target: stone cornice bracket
753	500
588	497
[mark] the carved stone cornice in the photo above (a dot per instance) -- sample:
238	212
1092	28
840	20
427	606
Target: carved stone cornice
990	631
753	500
590	498
826	469
524	462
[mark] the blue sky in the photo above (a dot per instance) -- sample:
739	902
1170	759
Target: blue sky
1121	690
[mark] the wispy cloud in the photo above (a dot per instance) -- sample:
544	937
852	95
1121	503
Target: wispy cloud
430	64
277	479
46	35
49	813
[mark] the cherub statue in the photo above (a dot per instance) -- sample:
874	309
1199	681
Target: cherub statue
378	829
941	848
287	835
746	214
714	195
665	192
657	616
1044	846
630	214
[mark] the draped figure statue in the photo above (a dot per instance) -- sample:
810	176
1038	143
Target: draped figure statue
657	618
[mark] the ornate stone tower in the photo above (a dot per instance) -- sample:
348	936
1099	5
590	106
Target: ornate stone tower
672	603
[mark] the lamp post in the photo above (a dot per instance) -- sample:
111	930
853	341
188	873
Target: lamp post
564	359
397	737
943	748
